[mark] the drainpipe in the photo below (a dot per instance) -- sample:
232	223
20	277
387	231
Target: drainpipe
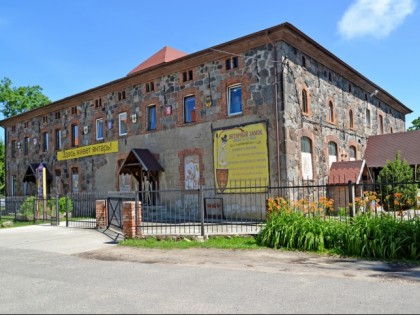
276	106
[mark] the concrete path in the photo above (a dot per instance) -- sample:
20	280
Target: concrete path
56	239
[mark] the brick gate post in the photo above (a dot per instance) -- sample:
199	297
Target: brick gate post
101	214
131	228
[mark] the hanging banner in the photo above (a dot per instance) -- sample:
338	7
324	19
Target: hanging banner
94	149
241	158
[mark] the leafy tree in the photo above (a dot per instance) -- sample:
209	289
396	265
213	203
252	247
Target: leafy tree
398	188
416	125
17	100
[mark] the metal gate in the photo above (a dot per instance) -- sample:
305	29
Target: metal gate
81	209
115	202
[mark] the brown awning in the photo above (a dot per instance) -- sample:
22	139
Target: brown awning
140	159
30	175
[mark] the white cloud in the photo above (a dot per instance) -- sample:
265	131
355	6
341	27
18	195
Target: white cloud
377	18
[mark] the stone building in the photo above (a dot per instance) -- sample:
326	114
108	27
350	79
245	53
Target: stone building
270	107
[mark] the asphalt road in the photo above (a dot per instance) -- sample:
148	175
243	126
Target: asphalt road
47	269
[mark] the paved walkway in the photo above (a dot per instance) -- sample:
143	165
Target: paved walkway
58	239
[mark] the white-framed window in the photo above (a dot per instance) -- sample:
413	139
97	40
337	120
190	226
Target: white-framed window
332	152
45	141
352	153
234	100
306	161
99	129
189	109
368	122
13	186
122	123
58	143
151	117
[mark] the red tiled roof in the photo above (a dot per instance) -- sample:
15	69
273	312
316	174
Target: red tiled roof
381	148
166	54
342	172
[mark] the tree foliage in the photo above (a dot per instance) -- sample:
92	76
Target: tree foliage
398	187
416	125
17	100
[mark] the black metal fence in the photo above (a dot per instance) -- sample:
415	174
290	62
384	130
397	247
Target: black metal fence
207	211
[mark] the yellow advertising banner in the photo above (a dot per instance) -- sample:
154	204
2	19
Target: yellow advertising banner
94	149
241	158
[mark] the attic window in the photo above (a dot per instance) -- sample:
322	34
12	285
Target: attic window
45	119
303	61
232	63
150	87
121	95
98	102
13	128
74	110
57	115
187	76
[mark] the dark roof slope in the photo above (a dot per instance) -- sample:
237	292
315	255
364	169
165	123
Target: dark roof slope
342	172
381	148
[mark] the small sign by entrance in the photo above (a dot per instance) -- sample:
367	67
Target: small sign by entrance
213	208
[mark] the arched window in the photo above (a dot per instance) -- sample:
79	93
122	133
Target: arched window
352	153
305	108
330	112
351	122
306	161
332	152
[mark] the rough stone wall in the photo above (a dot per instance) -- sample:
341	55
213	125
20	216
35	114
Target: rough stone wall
324	86
173	139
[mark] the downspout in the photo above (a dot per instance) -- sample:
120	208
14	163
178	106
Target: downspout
276	106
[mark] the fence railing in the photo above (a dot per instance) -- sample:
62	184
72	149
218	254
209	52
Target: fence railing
240	210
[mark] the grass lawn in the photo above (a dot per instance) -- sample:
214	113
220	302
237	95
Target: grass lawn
234	242
6	218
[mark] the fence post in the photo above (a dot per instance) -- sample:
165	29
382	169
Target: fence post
201	206
67	211
350	192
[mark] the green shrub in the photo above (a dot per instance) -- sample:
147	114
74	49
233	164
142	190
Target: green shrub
28	206
61	204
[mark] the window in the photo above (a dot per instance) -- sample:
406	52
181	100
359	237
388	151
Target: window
381	124
332	152
305	108
58	139
189	109
352	153
45	119
57	115
303	61
74	135
151	117
232	63
150	87
13	148
121	95
26	124
13	128
74	110
45	141
330	112
13	186
187	76
26	146
368	117
349	87
98	102
234	100
74	180
351	122
122	124
99	129
306	152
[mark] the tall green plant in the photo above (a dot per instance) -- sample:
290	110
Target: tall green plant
398	188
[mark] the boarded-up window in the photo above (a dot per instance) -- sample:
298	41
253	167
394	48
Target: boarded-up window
192	172
306	152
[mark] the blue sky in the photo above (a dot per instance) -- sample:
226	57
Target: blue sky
69	46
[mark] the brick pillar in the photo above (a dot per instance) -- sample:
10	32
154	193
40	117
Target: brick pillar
101	214
131	228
